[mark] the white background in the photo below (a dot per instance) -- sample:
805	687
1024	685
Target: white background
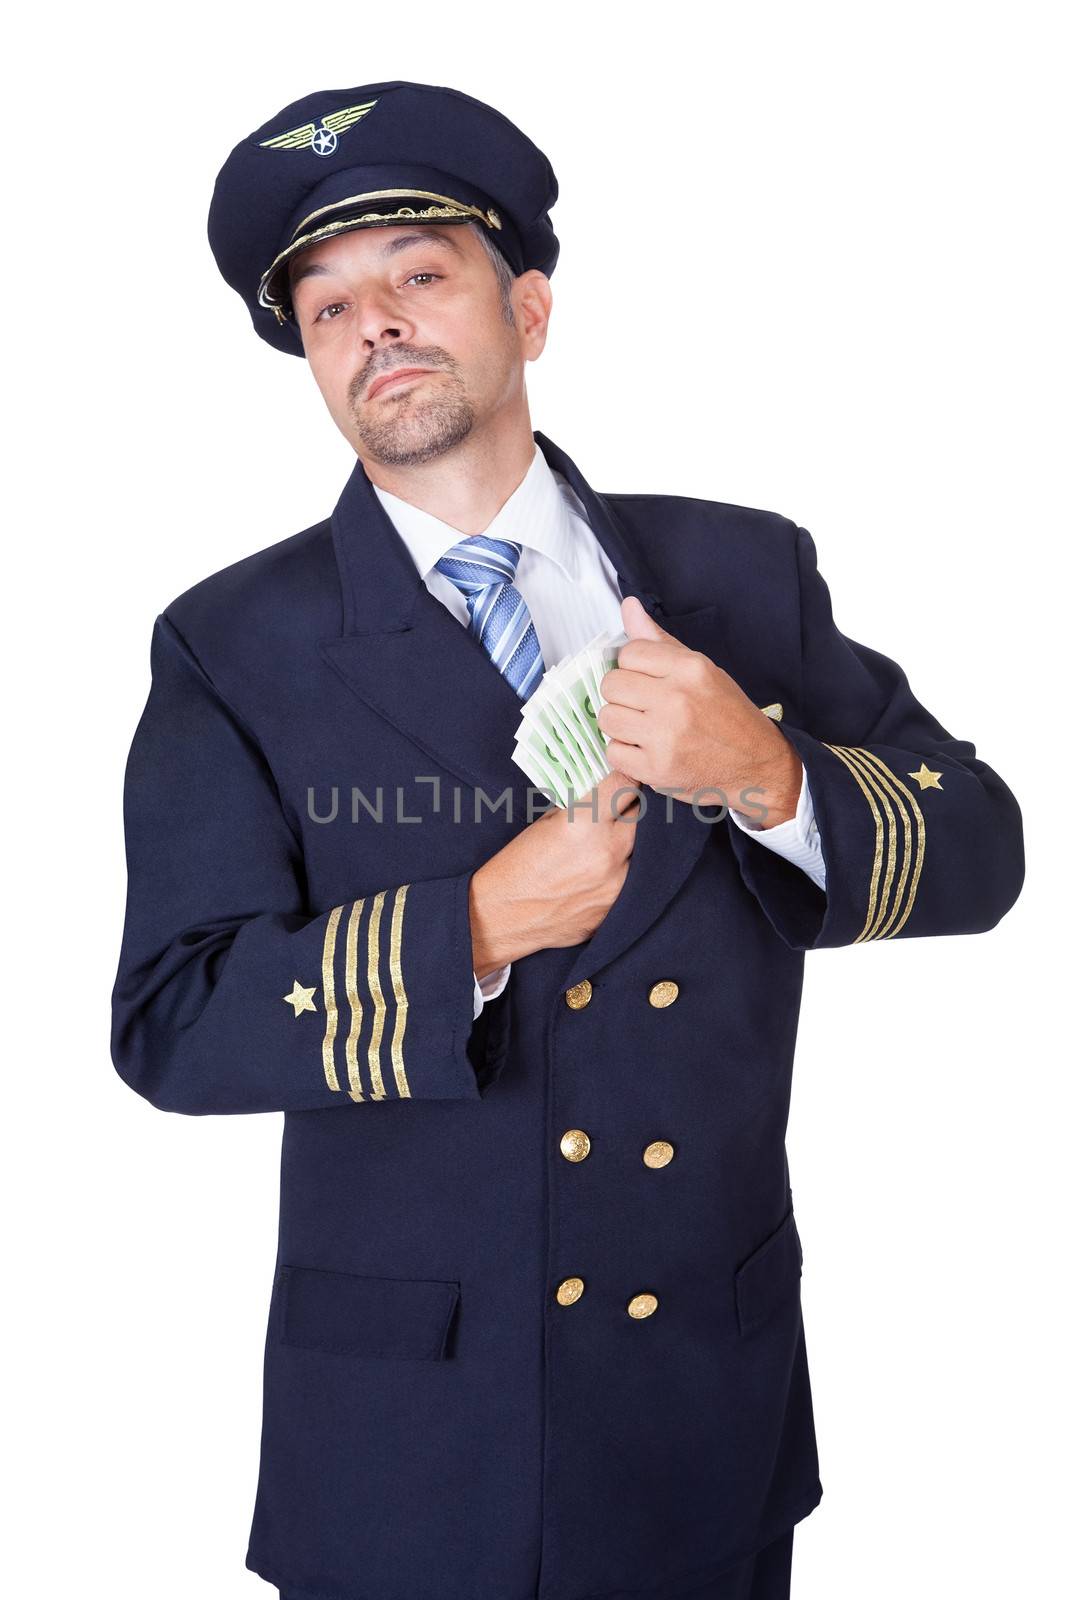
811	261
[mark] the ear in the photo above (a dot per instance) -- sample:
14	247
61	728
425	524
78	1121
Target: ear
638	623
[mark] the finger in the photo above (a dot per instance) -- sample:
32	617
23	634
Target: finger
623	722
655	657
626	758
625	798
617	794
624	687
612	782
637	622
602	792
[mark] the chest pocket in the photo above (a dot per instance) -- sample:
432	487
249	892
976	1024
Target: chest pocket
770	1276
346	1314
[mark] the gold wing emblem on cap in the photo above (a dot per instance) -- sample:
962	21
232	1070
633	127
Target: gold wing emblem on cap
336	121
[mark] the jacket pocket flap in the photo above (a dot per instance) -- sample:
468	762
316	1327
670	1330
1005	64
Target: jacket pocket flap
341	1312
769	1275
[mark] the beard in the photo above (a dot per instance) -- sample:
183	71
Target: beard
412	427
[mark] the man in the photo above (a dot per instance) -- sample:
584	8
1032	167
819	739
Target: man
535	1329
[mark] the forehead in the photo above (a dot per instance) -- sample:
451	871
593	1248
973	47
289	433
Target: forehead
371	246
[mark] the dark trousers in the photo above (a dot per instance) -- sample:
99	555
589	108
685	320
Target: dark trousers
764	1576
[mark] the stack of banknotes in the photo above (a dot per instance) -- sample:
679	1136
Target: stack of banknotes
558	743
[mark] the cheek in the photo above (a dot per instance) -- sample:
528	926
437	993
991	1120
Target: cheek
474	338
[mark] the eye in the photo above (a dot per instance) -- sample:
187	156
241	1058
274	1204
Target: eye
336	305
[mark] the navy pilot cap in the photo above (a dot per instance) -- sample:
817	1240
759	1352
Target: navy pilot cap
382	155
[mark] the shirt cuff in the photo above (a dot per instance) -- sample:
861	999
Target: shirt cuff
797	839
491	985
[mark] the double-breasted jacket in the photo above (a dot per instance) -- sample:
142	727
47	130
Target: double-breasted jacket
535	1328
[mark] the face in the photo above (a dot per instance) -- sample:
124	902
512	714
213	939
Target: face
374	300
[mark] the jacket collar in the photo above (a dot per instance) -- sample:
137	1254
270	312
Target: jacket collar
380	578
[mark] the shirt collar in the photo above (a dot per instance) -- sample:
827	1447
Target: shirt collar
535	513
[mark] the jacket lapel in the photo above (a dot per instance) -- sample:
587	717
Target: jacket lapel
669	838
415	664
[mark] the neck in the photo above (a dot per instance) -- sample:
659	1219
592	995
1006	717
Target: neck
467	485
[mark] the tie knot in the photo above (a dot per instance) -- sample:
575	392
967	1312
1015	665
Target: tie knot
477	562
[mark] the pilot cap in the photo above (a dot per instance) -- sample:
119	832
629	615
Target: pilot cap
382	155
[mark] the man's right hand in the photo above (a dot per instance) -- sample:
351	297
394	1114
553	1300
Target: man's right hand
555	882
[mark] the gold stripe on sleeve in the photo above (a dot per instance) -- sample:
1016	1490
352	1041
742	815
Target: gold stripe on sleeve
895	874
875	778
399	1071
843	753
375	987
897	789
329	998
355	1089
891	801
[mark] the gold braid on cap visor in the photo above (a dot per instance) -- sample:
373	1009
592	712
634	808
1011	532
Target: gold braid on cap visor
447	209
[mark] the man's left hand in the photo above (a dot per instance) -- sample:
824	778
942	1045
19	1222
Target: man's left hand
676	721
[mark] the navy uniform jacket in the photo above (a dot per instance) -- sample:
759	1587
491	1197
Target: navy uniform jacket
535	1328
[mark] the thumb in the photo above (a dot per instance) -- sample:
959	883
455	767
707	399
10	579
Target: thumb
638	623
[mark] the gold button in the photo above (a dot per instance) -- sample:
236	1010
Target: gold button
569	1291
579	994
658	1153
642	1305
575	1144
663	993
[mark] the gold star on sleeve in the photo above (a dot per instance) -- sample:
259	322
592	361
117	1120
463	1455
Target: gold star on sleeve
925	778
301	999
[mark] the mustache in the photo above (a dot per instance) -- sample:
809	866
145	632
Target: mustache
434	357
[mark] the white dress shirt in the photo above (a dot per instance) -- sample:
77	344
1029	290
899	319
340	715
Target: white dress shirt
572	592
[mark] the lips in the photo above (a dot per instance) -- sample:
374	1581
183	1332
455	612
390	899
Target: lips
394	377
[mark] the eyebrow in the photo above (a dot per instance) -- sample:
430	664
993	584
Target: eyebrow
405	241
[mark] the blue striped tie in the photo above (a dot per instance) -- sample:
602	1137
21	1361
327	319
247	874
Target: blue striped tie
483	570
